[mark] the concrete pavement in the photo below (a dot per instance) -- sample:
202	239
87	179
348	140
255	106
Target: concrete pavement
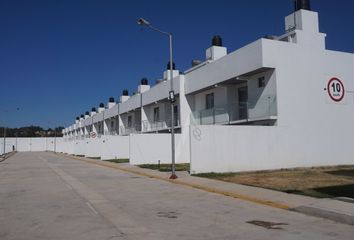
333	209
45	196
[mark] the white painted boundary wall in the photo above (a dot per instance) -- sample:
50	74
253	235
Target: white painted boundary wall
92	147
250	148
31	144
152	148
114	147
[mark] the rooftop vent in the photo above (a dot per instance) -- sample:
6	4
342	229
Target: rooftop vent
144	81
216	41
93	109
196	63
173	66
125	92
82	115
271	37
101	105
159	81
77	118
111	100
87	113
302	4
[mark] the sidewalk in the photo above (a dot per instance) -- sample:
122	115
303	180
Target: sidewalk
336	210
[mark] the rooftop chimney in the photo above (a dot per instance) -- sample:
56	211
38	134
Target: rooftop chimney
111	102
144	85
306	26
93	111
216	50
77	120
169	67
125	96
101	107
167	75
216	41
87	114
302	4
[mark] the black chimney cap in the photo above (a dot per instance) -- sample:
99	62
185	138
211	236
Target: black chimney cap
101	105
302	4
173	66
111	99
216	41
93	109
82	116
125	92
87	113
144	81
77	118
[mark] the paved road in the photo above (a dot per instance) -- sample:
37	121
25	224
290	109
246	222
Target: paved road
45	196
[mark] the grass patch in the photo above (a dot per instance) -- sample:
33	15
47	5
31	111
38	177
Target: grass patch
121	160
97	158
320	182
79	155
166	167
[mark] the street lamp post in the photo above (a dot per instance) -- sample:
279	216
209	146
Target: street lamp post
171	94
4	151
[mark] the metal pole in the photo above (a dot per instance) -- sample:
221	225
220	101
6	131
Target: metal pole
4	140
173	175
142	21
55	140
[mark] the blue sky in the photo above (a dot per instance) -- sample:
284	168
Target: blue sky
59	59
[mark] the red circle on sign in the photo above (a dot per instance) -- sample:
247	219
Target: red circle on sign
329	90
93	134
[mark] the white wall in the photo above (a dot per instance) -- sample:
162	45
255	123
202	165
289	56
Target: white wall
79	147
249	148
92	147
150	148
31	144
114	147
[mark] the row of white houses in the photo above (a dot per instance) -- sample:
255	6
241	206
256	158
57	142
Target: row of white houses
281	101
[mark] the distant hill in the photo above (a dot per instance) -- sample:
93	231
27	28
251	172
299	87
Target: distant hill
31	131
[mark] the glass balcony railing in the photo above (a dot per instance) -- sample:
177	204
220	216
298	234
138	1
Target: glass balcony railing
252	110
129	130
155	126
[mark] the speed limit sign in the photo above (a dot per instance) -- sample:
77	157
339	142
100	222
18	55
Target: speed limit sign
335	89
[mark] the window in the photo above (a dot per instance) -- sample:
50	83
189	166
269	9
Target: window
112	124
209	101
156	114
261	82
130	124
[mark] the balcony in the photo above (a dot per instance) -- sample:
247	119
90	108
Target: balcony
162	125
261	109
112	133
129	130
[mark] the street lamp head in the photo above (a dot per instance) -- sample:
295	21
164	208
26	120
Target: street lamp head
142	21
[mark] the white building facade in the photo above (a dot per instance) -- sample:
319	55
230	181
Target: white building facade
279	102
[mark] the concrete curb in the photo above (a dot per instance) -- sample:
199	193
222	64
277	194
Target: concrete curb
323	213
7	155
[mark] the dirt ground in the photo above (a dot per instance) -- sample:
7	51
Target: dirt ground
335	181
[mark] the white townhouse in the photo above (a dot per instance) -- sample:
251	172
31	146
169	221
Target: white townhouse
280	101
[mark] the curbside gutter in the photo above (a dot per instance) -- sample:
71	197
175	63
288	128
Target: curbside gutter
6	156
323	213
